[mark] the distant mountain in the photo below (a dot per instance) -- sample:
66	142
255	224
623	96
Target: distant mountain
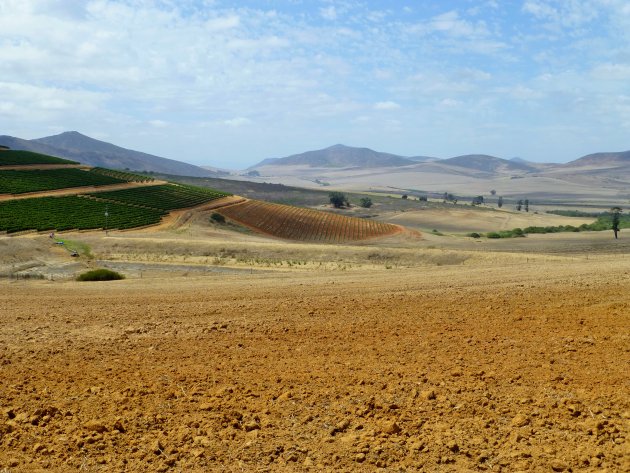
423	159
28	145
339	156
73	145
488	164
604	160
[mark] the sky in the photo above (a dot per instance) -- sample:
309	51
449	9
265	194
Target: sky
229	83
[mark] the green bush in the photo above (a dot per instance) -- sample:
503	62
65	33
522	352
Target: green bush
365	202
217	217
338	199
100	275
493	235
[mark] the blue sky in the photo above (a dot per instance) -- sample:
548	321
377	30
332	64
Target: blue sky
230	83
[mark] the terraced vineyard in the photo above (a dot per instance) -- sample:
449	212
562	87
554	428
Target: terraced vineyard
124	175
165	197
294	223
13	157
71	212
35	180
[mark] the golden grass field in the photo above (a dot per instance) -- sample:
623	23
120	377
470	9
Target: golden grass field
225	350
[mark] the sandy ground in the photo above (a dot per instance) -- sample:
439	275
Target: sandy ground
607	188
467	219
403	355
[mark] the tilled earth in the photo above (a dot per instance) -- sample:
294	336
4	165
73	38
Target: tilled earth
498	368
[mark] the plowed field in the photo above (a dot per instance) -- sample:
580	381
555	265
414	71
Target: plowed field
487	368
295	223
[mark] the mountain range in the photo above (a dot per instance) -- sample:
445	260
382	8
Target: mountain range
341	156
601	175
77	147
604	176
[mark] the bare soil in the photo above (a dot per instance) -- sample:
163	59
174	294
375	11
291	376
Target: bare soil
509	362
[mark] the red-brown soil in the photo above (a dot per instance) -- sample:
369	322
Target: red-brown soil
300	224
498	367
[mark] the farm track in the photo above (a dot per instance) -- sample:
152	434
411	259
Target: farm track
295	223
30	167
178	218
79	190
487	368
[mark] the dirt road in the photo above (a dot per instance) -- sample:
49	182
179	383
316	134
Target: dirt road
496	368
79	190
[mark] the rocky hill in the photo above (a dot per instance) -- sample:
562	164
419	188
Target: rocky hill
339	156
75	146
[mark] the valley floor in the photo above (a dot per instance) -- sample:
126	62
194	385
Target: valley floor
501	364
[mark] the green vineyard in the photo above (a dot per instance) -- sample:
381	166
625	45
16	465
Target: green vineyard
124	175
35	180
128	208
165	197
12	157
71	212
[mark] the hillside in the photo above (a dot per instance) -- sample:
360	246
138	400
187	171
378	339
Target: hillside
339	156
86	150
489	164
35	196
602	160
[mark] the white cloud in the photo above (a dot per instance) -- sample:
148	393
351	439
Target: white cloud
118	66
568	13
237	122
615	72
388	105
449	103
328	13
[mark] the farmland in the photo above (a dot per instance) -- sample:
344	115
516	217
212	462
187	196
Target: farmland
475	367
18	182
295	223
165	197
122	175
19	158
127	208
71	212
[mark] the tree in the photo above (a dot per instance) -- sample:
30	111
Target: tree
338	199
526	205
519	205
616	218
493	192
500	202
366	202
405	196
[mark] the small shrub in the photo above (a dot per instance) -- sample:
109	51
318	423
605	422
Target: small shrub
100	275
493	235
217	217
366	202
474	235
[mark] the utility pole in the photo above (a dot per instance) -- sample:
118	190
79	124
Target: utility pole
106	217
